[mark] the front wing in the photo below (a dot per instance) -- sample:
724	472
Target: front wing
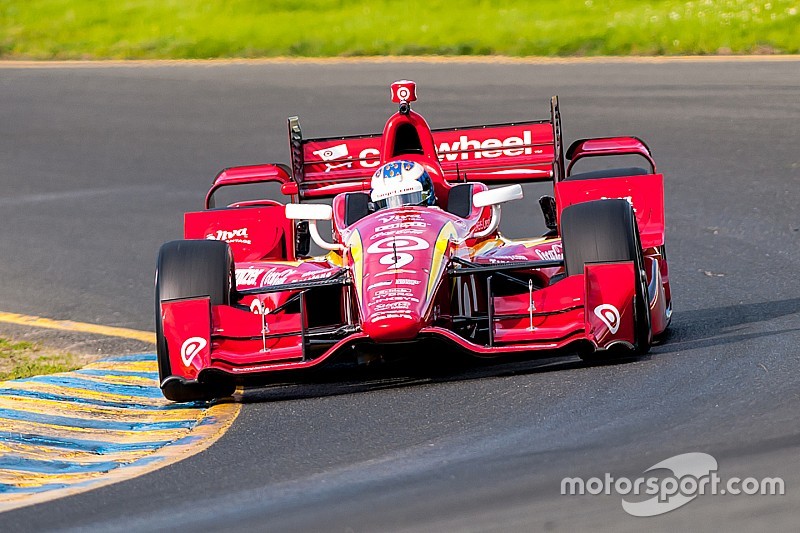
594	310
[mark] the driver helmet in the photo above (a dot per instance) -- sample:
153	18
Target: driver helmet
400	183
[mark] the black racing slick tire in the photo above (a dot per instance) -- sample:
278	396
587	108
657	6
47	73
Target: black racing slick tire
188	269
606	231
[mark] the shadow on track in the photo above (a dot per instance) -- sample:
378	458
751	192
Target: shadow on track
406	373
702	328
705	328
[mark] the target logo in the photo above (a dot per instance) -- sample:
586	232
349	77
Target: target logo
190	348
609	315
333	153
404	91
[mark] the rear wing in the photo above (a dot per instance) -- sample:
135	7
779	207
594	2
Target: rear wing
498	153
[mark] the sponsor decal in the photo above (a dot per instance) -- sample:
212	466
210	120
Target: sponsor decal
462	148
395	272
276	276
400	226
398	298
257	307
403	281
190	348
379	284
465	148
404	90
388	316
398	260
394	217
507	259
238	236
482	224
394	306
370	157
609	315
393	295
248	276
310	276
555	253
400	231
689	475
396	250
400	281
333	153
390	218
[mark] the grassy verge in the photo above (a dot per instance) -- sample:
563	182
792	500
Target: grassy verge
24	359
127	29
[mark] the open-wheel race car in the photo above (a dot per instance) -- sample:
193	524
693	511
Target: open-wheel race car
415	260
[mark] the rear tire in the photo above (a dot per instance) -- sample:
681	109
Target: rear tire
188	269
606	231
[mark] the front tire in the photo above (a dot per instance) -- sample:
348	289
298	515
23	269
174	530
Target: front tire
190	269
606	231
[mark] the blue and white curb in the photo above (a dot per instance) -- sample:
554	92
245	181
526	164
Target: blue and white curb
71	432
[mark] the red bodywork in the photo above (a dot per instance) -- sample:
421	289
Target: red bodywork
415	274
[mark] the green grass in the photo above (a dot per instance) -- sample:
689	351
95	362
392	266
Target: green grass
128	29
24	359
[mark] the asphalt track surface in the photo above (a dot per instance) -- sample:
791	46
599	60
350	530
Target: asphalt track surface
98	165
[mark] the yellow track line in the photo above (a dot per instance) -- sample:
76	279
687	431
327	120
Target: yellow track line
79	393
128	366
82	327
123	380
537	60
56	454
96	412
111	436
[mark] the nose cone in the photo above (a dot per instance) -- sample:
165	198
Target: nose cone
393	328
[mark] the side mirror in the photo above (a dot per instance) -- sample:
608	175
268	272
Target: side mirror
494	198
497	196
313	213
309	212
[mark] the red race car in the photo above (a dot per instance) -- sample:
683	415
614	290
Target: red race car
415	258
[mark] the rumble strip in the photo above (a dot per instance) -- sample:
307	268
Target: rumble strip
67	433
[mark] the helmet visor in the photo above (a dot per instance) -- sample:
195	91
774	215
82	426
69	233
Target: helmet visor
411	198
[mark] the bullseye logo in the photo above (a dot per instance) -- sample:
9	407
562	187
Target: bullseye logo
191	347
332	153
398	249
404	91
609	315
